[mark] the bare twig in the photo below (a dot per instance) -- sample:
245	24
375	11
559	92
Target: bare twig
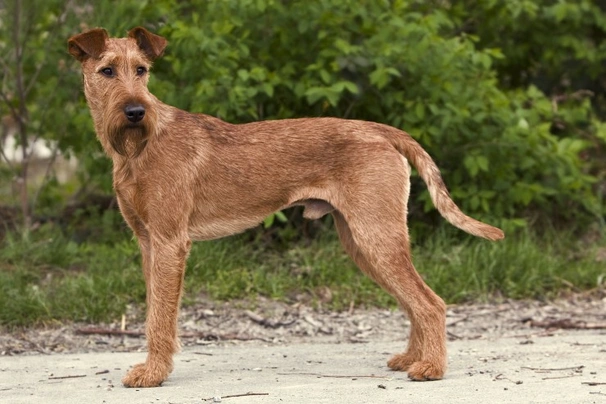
9	105
51	34
21	117
457	321
109	331
65	377
568	324
500	376
237	395
5	158
135	333
46	176
7	70
268	322
575	368
560	377
453	336
336	376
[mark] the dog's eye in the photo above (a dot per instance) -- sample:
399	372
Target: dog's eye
107	71
141	71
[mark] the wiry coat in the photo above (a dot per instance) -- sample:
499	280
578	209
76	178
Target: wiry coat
180	177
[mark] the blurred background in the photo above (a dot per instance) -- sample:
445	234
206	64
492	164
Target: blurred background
509	98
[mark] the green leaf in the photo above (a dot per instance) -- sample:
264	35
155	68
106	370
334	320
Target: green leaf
269	221
471	164
281	217
420	111
482	163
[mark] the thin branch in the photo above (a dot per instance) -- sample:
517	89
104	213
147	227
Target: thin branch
51	35
51	161
202	335
65	377
7	70
45	109
568	324
575	368
560	377
5	158
109	331
336	376
14	112
236	395
459	320
21	117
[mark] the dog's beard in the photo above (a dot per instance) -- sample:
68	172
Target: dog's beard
128	141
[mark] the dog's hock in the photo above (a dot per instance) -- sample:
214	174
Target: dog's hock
90	44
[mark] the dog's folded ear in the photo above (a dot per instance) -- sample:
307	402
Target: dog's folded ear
89	44
151	45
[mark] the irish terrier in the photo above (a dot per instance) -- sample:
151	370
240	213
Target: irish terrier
180	177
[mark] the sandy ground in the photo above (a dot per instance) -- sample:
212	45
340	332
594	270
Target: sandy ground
512	352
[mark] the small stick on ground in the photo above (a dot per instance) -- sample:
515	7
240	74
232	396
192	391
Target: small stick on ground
457	321
560	377
575	368
65	377
134	333
500	376
336	376
568	324
237	395
109	331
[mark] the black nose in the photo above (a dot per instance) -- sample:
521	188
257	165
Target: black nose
134	112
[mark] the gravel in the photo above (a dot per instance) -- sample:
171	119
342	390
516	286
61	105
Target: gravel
272	322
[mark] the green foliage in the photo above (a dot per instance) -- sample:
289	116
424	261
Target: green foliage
52	278
504	150
496	91
525	265
507	96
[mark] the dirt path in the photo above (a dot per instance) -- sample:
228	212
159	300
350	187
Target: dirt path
511	352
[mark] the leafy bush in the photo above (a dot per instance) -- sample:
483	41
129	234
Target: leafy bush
505	150
469	80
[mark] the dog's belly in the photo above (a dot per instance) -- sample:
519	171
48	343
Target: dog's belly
217	228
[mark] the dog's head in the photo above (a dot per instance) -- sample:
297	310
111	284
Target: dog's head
116	73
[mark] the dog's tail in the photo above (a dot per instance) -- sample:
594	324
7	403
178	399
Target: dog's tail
428	170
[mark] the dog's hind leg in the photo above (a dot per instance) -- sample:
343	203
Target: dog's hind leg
379	246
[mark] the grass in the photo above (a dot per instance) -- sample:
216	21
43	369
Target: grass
52	278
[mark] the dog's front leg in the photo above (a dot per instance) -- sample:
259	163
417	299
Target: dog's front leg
140	230
167	258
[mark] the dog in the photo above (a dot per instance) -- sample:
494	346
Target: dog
180	177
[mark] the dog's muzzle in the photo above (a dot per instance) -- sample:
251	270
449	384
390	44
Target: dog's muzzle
134	112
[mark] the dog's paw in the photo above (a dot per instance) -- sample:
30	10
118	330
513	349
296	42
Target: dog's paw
402	361
143	375
423	370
